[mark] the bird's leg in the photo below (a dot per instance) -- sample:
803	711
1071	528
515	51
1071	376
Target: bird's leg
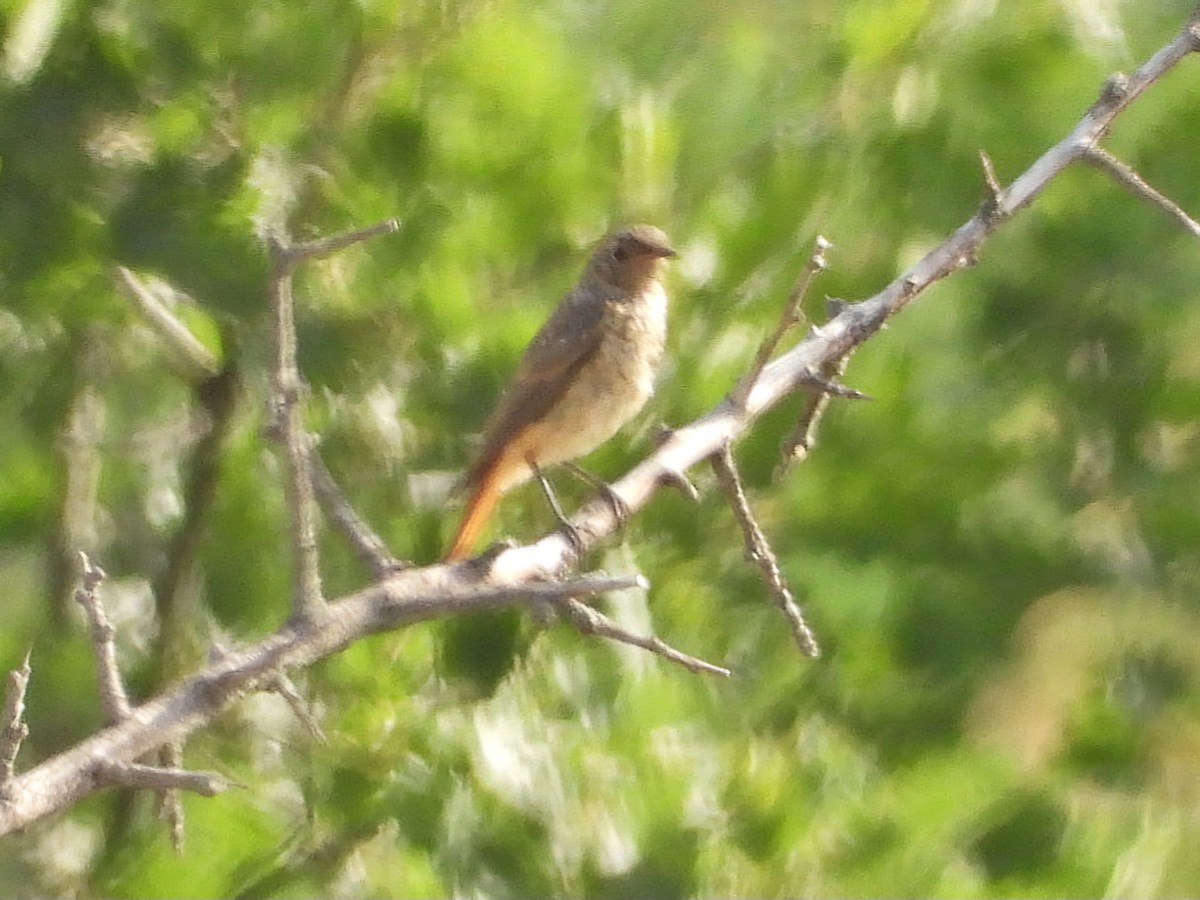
620	508
571	532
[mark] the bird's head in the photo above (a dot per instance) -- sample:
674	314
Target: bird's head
631	258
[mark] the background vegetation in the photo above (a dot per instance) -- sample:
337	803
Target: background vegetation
1001	553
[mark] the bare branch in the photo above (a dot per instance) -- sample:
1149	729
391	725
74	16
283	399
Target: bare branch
402	599
308	603
673	478
512	575
592	621
330	245
584	586
995	191
803	437
170	804
759	552
15	730
853	323
367	545
1126	175
824	384
113	699
157	778
196	360
283	686
792	316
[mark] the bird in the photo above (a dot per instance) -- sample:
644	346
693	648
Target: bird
589	370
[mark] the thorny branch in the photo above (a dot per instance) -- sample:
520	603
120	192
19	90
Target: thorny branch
325	246
803	437
511	575
113	699
759	552
14	730
283	686
308	602
170	804
1125	175
793	315
402	599
592	621
158	778
367	545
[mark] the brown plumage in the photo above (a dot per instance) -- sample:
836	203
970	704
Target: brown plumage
588	371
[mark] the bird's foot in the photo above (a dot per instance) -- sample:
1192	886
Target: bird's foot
564	524
620	509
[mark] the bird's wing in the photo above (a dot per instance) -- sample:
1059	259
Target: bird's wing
563	345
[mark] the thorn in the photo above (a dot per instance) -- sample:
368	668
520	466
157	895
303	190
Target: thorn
835	306
676	479
661	434
814	379
996	193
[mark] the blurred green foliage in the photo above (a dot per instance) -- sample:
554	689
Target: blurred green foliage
1001	554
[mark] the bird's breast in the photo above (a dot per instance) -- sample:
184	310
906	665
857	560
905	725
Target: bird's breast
612	386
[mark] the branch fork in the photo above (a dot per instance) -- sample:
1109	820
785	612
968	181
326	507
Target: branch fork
321	628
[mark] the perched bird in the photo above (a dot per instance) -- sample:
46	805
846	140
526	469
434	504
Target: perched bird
587	372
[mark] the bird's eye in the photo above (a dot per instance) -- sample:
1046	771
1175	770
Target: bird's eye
620	253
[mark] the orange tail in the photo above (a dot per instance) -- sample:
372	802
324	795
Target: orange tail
479	508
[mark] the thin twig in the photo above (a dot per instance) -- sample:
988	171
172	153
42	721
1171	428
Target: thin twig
437	591
995	191
676	479
308	603
15	730
326	246
366	544
583	586
792	316
803	437
1126	175
170	804
113	699
759	552
824	384
196	360
673	477
592	621
158	778
283	686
